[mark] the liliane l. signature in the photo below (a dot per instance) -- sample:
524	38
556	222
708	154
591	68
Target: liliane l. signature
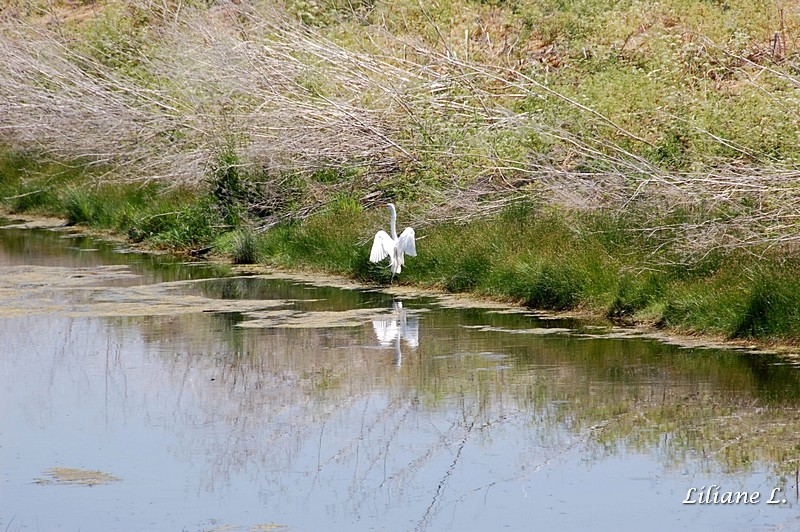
713	494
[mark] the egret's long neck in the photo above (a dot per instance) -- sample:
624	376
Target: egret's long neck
392	220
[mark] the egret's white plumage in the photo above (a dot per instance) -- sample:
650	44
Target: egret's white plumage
393	246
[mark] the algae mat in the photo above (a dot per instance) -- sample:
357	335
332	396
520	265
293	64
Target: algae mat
110	291
26	290
76	477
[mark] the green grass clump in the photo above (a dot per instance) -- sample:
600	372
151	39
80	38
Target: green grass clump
176	218
333	241
245	247
772	307
194	225
547	285
81	207
34	184
764	303
636	292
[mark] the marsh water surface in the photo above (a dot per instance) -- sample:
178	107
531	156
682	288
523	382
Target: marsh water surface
139	392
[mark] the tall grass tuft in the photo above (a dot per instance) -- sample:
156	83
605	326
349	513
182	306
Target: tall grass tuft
79	207
245	247
771	308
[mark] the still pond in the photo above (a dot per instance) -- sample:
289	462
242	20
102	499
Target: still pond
140	392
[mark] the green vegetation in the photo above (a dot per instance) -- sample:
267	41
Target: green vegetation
635	160
242	246
538	260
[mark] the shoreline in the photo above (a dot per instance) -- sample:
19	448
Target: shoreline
630	329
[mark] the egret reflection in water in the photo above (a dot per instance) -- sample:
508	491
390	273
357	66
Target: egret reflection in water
399	326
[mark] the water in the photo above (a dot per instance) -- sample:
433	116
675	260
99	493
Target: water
223	402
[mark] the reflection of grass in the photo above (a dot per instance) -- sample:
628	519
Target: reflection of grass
721	436
323	379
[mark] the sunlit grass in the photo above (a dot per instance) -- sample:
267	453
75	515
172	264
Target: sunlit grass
550	263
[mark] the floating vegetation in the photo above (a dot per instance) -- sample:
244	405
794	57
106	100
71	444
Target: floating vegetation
26	290
541	331
77	477
292	319
251	528
37	223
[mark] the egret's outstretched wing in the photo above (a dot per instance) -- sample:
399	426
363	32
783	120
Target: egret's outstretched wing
381	246
406	243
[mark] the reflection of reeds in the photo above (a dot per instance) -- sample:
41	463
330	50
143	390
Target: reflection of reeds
609	394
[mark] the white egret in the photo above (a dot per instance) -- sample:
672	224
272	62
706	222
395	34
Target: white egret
393	246
398	326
